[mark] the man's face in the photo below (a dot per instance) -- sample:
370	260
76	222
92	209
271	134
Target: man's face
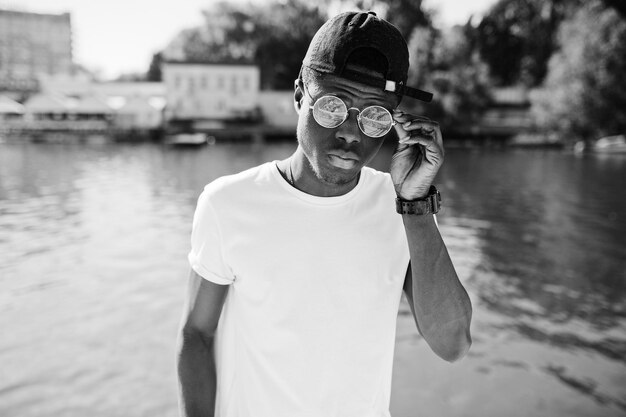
336	155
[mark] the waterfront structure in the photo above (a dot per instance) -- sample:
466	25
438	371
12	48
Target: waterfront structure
92	107
139	113
278	108
48	107
152	91
81	84
207	94
279	115
32	44
135	105
10	109
509	111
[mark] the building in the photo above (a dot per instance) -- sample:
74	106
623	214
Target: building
279	114
136	105
10	109
43	107
138	113
206	94
508	114
32	44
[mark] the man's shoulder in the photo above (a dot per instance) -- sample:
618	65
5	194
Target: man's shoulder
241	182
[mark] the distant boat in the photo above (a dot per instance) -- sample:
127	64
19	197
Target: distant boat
187	139
610	144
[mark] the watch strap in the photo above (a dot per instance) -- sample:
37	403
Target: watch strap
426	205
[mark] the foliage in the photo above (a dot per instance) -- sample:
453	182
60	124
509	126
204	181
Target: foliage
444	62
447	63
517	37
583	96
155	70
618	5
406	15
285	31
275	36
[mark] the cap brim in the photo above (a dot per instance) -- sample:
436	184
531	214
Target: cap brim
399	90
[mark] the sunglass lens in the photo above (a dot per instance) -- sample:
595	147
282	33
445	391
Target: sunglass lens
375	121
329	111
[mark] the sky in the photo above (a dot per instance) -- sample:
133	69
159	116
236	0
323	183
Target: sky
111	37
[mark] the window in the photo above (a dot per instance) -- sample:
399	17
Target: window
233	85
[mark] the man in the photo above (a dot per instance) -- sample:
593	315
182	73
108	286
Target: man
298	266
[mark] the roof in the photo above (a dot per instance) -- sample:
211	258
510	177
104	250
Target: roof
137	104
92	105
130	89
49	103
216	63
8	106
23	13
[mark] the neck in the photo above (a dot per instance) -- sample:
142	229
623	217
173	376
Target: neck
300	174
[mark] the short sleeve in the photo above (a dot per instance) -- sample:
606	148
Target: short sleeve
206	255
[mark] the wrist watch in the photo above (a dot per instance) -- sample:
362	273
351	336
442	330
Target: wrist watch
425	205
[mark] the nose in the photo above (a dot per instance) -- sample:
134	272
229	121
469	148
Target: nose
349	130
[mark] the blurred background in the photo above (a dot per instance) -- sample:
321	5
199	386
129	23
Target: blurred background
113	116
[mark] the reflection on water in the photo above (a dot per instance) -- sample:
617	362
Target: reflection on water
92	268
556	242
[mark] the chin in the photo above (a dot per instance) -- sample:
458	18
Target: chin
337	176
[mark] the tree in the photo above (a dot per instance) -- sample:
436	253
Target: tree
618	5
583	96
276	36
284	32
406	15
517	37
155	70
273	35
447	63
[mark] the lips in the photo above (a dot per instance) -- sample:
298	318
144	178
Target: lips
345	155
344	160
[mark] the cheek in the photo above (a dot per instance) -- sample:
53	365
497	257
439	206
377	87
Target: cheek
311	135
371	147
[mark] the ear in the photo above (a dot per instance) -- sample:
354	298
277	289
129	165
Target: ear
298	94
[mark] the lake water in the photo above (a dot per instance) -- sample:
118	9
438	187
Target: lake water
93	244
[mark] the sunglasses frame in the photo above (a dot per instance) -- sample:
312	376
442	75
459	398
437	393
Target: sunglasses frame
358	117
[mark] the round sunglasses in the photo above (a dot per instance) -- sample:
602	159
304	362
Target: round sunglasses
330	111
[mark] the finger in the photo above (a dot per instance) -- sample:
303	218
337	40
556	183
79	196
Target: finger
416	130
418	140
426	124
401	117
428	129
432	143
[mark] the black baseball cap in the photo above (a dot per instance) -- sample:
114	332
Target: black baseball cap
346	33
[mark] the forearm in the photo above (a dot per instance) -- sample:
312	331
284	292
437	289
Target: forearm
196	376
439	302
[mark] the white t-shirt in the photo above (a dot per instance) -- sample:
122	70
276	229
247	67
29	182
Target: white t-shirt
308	326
